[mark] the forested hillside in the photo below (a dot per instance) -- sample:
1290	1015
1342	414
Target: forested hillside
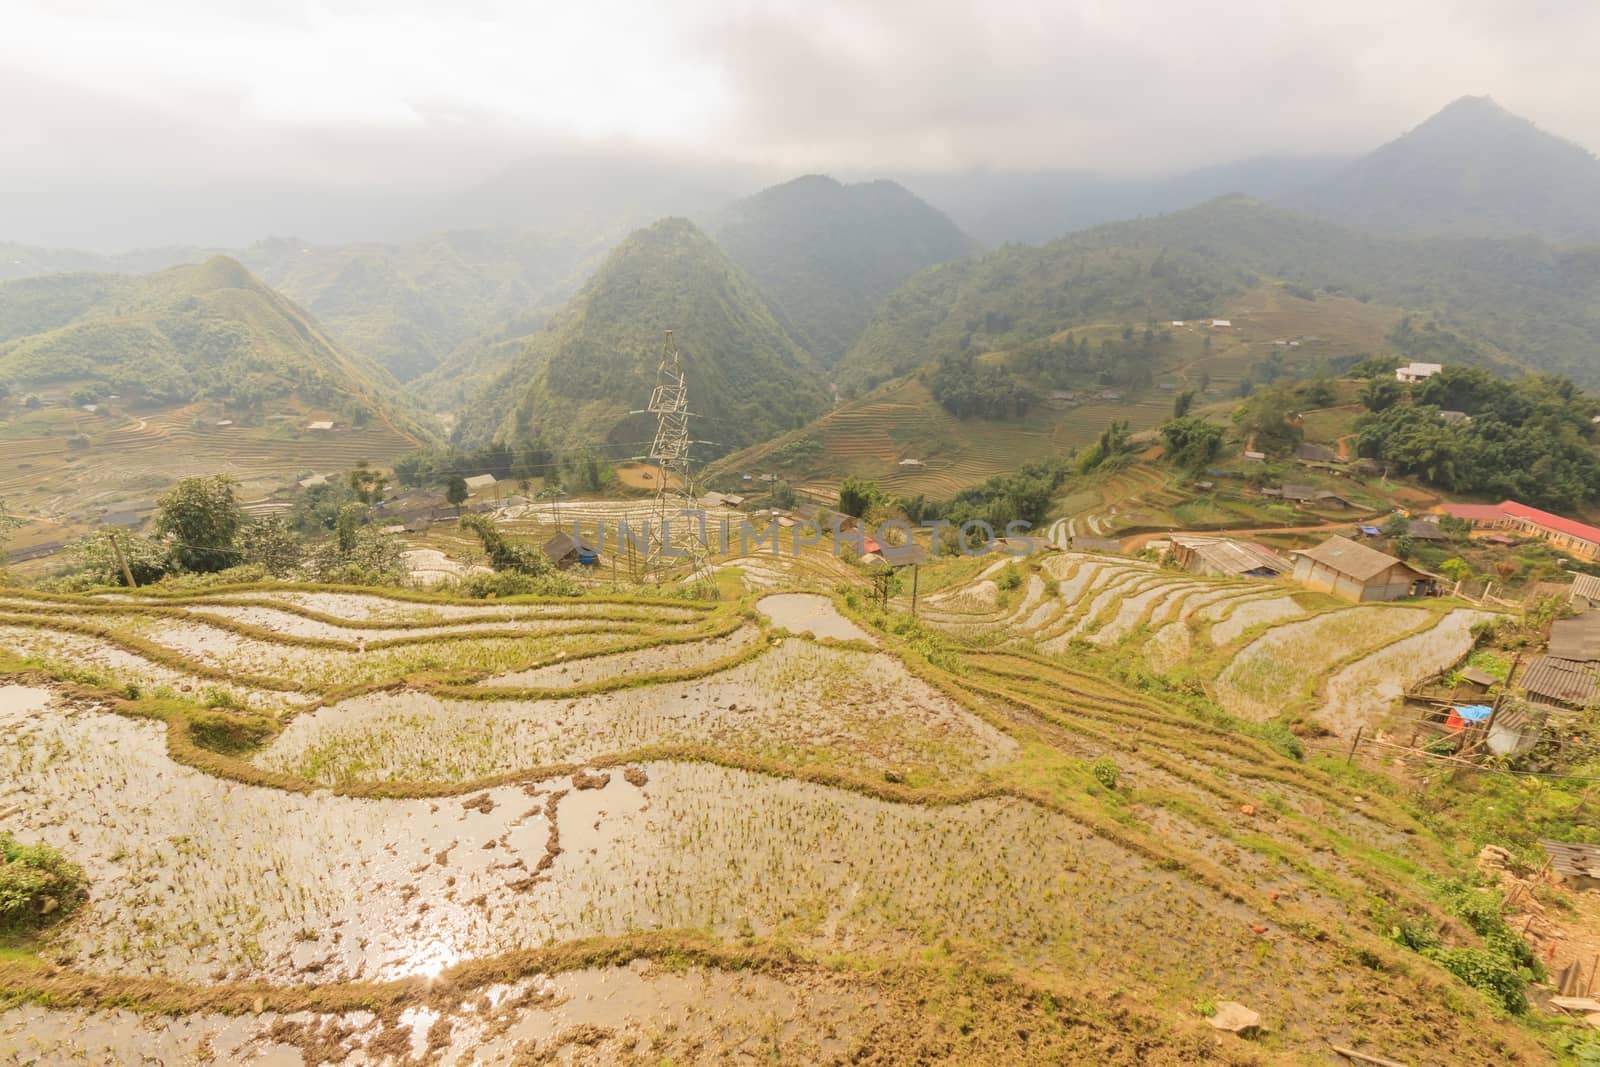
1537	302
574	383
827	254
207	331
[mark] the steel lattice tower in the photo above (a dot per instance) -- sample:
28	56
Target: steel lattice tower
669	403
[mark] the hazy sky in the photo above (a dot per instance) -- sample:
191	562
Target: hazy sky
413	93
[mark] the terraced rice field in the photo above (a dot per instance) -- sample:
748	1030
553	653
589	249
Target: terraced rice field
328	824
133	458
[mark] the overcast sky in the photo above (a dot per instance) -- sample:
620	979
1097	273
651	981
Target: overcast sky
415	93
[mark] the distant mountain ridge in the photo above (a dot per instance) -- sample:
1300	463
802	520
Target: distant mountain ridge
1471	170
205	330
578	382
827	254
1539	303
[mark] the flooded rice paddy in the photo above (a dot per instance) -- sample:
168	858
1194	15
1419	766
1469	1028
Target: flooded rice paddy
202	879
1277	668
797	702
808	613
633	1013
1362	692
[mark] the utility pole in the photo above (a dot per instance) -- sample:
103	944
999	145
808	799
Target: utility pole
127	572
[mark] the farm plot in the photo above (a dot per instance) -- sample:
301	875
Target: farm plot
203	879
1362	691
1251	613
600	1014
800	704
1274	672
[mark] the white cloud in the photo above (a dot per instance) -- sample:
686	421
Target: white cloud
418	91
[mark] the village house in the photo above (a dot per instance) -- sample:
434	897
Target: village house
1307	494
1569	535
1356	572
479	482
563	550
1417	372
1226	557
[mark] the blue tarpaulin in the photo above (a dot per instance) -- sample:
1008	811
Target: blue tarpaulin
1463	715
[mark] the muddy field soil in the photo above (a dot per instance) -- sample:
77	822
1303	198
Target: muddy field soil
639	1013
798	702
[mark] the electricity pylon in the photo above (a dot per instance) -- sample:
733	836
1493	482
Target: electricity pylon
669	451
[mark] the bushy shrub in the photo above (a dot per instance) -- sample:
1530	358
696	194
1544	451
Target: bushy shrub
1105	771
31	878
515	583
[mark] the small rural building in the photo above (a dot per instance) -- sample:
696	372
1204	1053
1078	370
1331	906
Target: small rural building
1585	590
1222	324
1417	372
1569	535
1356	572
1563	683
1110	394
1453	418
1307	494
479	481
1065	396
313	481
912	463
321	426
1255	457
1314	453
1226	557
1425	530
1179	322
564	551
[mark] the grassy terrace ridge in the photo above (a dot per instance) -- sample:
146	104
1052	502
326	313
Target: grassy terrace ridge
1155	769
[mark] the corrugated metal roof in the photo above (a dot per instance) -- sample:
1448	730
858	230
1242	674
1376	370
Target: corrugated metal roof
1573	859
1586	586
1233	557
1577	638
1348	558
1561	680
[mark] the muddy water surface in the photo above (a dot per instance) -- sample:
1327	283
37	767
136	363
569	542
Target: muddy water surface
798	702
807	613
605	1014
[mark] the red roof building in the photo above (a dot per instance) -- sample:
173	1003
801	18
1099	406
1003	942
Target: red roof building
1578	538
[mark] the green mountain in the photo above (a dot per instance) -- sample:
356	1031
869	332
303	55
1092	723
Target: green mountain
828	254
1535	301
207	330
1473	170
409	306
574	383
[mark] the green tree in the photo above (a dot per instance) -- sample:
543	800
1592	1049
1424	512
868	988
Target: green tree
1270	419
367	484
272	545
504	555
201	516
1380	393
1191	441
856	496
1319	393
456	492
346	527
